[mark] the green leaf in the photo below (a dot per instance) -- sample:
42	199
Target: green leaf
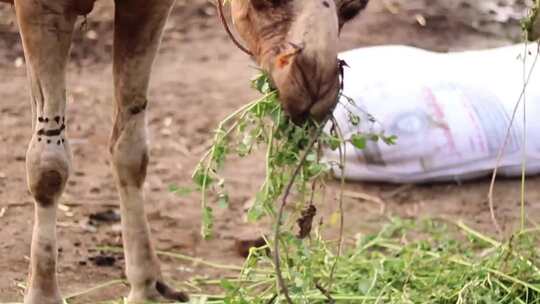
314	170
227	285
311	157
201	179
256	211
219	154
208	223
262	84
359	141
354	119
333	142
389	140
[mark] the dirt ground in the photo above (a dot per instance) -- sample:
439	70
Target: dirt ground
199	78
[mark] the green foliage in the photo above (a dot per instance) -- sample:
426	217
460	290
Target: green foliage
437	267
262	124
359	141
293	158
528	23
405	262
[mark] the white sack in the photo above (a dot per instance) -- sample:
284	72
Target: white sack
450	113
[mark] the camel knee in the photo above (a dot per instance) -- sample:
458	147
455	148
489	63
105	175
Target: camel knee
128	146
47	188
48	166
131	166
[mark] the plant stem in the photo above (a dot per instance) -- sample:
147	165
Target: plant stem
182	257
496	244
209	156
524	143
342	152
95	288
286	194
505	143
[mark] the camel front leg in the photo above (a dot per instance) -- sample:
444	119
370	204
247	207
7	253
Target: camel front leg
138	28
46	28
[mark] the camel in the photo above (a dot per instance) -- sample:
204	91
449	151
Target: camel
294	40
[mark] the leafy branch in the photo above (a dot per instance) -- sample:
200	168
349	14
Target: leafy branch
292	165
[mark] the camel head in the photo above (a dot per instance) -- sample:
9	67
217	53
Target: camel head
296	42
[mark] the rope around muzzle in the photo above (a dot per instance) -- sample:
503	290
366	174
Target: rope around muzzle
228	29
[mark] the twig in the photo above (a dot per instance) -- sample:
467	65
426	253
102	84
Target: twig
524	147
507	290
367	197
180	257
199	261
495	244
514	280
397	191
23	204
272	299
503	147
325	293
390	7
220	135
240	112
95	288
533	222
342	152
286	194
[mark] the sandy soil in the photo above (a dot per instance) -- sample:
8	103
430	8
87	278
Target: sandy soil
199	78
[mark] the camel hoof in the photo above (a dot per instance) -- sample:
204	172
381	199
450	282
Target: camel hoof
154	291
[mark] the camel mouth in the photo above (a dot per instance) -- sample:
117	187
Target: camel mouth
308	82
